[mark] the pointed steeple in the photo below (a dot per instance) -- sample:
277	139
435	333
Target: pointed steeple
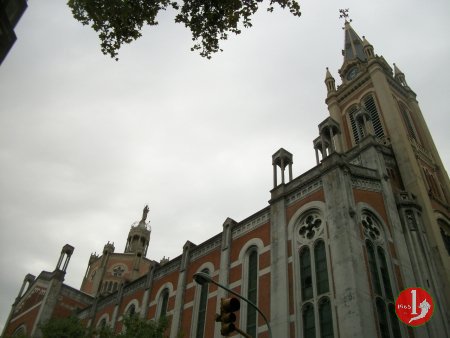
400	77
353	45
368	48
330	82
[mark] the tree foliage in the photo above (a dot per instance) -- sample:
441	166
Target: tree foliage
70	327
135	327
121	21
138	328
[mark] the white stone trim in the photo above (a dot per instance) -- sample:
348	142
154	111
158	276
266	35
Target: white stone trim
241	229
103	316
253	245
194	320
304	191
365	184
296	246
134	302
202	250
158	298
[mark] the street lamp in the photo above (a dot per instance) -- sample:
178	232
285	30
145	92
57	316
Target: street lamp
203	278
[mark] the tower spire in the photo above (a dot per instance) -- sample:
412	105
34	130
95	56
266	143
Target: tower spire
353	45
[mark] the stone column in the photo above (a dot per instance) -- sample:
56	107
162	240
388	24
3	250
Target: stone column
181	288
279	285
224	265
148	290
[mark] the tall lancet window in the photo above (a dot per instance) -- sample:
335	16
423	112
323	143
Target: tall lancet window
313	285
163	301
380	277
201	315
409	124
374	119
252	290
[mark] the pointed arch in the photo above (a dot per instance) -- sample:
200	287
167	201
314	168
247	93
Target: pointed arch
102	321
369	102
202	307
308	321
381	276
162	298
311	266
356	128
409	122
20	331
201	297
131	308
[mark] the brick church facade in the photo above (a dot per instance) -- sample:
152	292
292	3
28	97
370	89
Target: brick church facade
326	257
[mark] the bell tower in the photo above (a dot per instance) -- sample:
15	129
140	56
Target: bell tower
375	101
139	236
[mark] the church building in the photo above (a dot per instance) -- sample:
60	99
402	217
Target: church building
326	257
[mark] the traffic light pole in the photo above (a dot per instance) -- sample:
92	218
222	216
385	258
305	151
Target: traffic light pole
202	278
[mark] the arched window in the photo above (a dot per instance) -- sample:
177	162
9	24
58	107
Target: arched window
309	326
20	331
164	299
321	268
385	274
252	291
445	234
201	316
102	323
373	267
316	310
379	277
394	321
325	318
357	128
382	321
306	274
131	310
369	104
408	122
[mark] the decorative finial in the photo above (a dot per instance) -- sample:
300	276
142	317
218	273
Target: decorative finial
344	14
145	213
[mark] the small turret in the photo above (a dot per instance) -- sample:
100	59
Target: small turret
368	48
108	248
330	82
399	76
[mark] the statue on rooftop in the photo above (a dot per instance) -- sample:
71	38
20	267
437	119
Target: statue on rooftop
144	214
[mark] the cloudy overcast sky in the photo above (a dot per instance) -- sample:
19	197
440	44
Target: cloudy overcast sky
86	142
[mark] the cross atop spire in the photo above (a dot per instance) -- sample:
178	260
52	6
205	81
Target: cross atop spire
344	14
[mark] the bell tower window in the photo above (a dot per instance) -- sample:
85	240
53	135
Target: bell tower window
370	105
357	130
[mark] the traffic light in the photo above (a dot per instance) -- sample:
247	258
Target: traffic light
227	317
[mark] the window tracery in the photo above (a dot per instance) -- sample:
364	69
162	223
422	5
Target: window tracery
118	271
316	316
380	278
310	227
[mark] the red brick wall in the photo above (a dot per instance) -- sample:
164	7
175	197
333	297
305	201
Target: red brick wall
292	209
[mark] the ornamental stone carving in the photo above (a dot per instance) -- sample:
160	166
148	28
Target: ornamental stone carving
310	227
371	227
